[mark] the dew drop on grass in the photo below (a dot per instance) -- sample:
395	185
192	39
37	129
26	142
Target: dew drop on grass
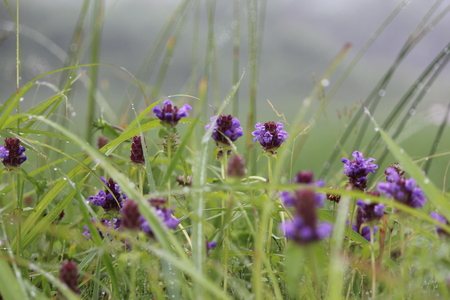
402	151
55	169
412	111
325	82
64	178
377	129
73	114
381	93
426	181
326	165
21	99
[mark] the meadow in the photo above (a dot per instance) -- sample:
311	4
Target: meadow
191	196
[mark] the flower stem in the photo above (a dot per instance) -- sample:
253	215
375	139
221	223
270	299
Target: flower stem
372	259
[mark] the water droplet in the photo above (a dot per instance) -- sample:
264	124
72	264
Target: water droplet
73	114
412	111
426	181
402	151
381	93
326	165
21	99
377	129
325	82
55	169
64	178
67	142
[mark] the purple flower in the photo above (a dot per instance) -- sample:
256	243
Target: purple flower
303	177
236	167
367	213
116	224
137	152
270	135
110	198
441	219
402	190
130	215
12	153
163	213
305	228
170	115
226	129
357	170
69	275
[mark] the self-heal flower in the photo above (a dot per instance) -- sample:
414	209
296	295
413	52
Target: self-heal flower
270	135
169	114
12	153
137	152
165	214
110	198
116	224
226	129
441	219
357	170
402	190
69	275
305	228
367	213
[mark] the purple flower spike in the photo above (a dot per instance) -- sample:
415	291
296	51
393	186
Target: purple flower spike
357	170
12	153
163	213
170	115
69	275
367	213
402	190
305	228
270	135
137	152
442	220
226	129
108	200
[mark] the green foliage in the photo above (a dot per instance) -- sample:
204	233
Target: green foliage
47	215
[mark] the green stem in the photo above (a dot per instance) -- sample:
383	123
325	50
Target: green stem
270	228
372	259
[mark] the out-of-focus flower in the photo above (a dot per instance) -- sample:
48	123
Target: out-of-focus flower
69	275
367	213
101	141
441	219
170	115
131	215
236	167
401	189
116	224
137	152
270	135
184	180
226	129
110	198
12	153
357	170
305	227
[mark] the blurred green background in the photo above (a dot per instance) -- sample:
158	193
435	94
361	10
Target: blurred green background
296	42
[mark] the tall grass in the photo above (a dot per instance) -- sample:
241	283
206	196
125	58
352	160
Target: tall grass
45	206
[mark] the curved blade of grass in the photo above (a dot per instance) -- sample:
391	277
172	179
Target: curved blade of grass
198	239
430	190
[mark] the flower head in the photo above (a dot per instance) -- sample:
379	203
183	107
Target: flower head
116	224
12	153
170	115
305	226
130	215
401	189
367	213
69	275
226	129
110	198
236	167
137	152
357	170
270	135
441	219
